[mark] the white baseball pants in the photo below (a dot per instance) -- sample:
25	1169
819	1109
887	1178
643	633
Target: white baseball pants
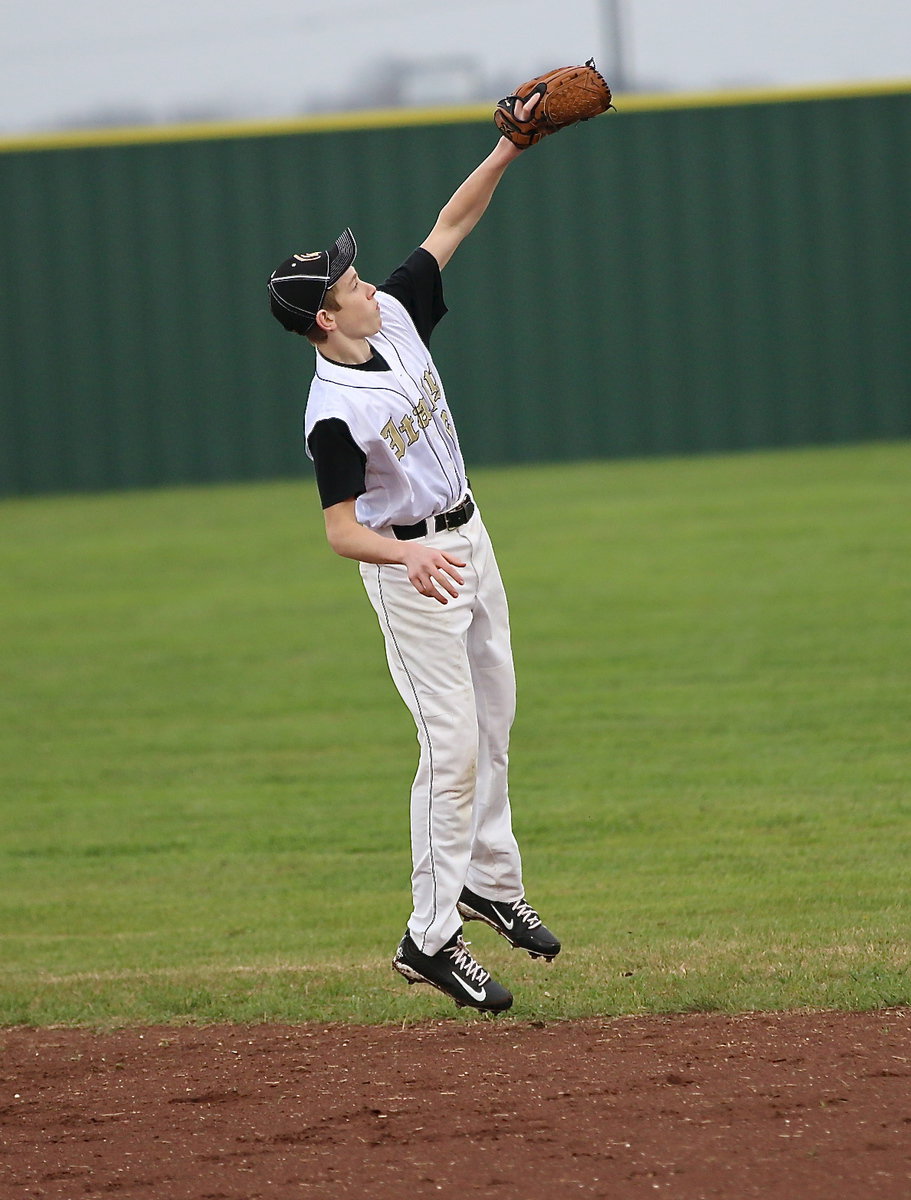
452	665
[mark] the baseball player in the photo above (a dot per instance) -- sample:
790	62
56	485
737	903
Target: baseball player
396	498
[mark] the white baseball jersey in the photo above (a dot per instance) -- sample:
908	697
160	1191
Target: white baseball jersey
400	420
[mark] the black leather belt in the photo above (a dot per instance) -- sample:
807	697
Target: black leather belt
447	520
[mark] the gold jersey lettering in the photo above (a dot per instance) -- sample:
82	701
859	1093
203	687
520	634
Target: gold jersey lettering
423	412
394	438
432	388
407	427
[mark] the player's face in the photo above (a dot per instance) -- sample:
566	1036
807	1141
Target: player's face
358	315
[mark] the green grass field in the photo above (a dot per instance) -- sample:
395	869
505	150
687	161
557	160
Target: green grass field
204	767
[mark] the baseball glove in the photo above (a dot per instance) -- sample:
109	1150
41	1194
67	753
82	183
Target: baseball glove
568	95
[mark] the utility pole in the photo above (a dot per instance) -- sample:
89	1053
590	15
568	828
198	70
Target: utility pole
614	40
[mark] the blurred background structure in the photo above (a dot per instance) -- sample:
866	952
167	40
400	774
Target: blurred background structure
103	63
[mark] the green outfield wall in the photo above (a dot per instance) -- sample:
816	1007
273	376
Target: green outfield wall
696	274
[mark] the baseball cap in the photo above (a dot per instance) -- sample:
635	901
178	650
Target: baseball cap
298	286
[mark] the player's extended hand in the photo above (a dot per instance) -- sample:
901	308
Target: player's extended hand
524	109
432	572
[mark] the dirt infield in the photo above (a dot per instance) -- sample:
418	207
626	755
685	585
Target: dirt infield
779	1106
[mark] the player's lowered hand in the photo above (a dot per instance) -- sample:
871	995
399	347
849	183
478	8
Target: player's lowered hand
433	572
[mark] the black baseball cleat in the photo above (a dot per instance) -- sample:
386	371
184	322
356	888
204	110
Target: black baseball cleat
452	970
515	920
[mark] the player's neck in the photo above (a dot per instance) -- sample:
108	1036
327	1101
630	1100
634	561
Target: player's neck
343	349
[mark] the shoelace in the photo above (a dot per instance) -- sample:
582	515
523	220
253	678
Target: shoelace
466	964
526	913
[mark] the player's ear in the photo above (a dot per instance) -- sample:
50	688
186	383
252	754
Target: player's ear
325	320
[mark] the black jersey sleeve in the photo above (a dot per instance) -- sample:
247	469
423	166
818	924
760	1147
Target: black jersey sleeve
339	461
418	287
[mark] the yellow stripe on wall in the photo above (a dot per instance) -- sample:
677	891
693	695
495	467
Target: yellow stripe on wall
391	118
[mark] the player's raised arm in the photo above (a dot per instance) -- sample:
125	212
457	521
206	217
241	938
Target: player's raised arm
467	204
540	107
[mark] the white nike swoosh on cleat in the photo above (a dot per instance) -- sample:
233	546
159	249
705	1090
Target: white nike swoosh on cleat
481	995
506	924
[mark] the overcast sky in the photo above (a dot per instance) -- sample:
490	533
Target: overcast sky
62	61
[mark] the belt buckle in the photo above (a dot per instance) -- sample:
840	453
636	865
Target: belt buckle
454	518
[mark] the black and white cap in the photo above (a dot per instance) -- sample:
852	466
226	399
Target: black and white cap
298	286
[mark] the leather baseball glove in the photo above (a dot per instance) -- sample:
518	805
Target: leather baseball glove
568	95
